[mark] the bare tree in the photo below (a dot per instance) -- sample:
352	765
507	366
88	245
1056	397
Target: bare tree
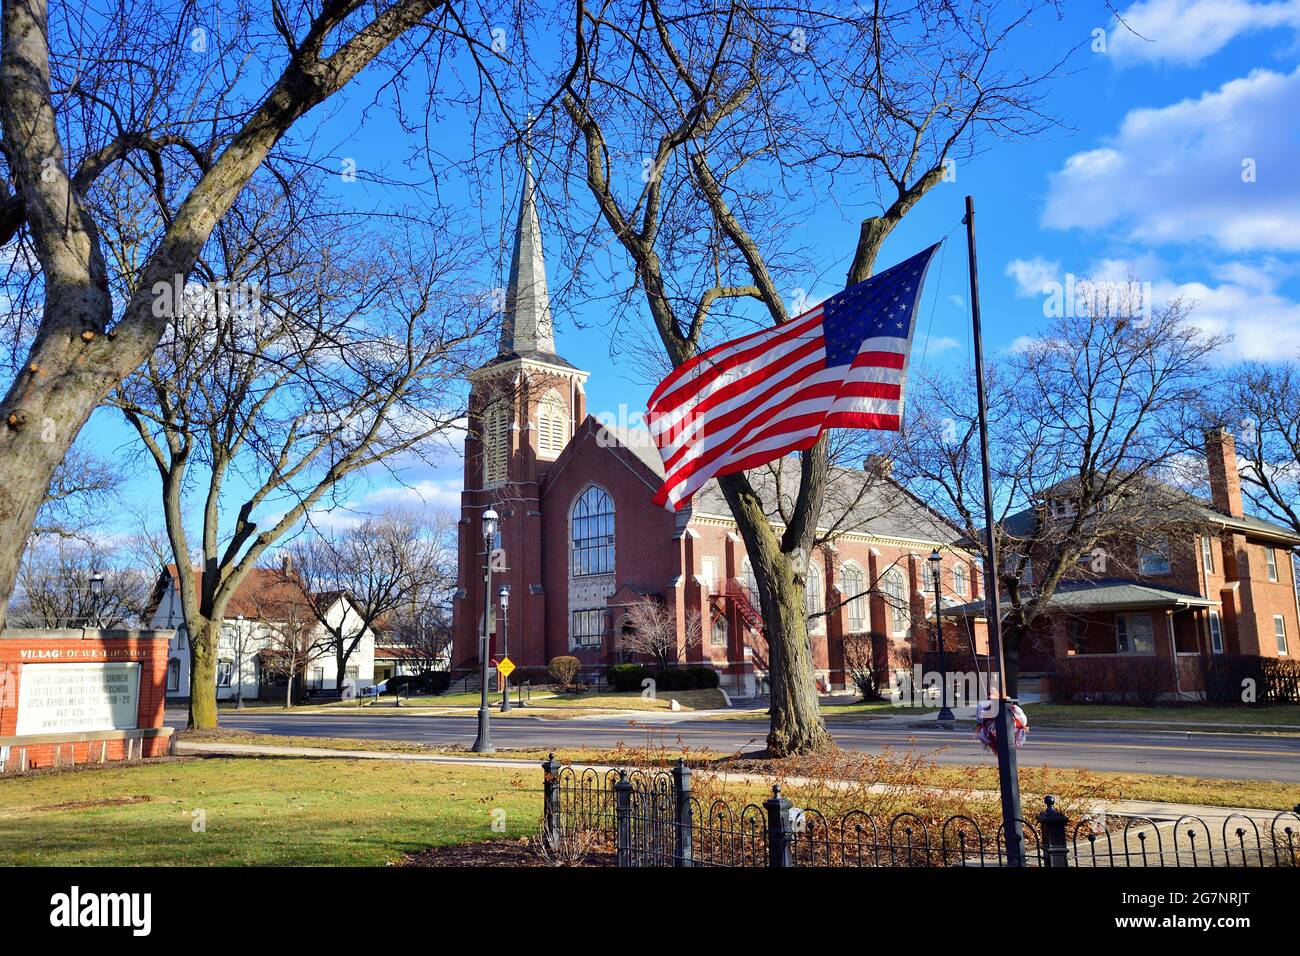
291	640
1264	416
330	352
1085	435
744	117
83	487
57	587
147	92
381	566
422	635
653	632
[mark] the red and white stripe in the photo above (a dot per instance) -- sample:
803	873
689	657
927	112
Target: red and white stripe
752	400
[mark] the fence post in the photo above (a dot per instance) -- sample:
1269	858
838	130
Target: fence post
551	803
780	830
623	818
1051	824
682	788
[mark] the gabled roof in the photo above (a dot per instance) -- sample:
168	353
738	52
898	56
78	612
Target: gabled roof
1112	594
856	501
1165	495
264	595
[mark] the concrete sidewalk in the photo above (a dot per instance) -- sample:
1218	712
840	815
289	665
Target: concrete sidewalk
1144	809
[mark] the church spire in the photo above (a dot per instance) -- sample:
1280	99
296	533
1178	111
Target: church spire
527	323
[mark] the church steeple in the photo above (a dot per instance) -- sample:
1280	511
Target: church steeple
527	328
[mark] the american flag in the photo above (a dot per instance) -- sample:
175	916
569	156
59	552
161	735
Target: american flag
842	364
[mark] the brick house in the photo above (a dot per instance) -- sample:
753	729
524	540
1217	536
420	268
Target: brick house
581	540
1226	584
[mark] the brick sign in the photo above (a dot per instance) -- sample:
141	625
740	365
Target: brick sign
62	698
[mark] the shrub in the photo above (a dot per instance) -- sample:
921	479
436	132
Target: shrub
704	678
1227	677
1112	680
430	682
672	679
868	669
625	677
535	674
564	670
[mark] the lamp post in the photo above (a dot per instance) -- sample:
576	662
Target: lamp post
483	742
504	595
96	593
936	566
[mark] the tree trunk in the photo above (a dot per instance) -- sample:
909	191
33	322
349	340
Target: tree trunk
796	725
203	675
796	722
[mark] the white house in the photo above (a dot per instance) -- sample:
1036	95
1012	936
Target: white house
261	608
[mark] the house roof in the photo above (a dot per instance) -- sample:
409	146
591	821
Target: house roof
264	594
856	500
1164	495
1106	595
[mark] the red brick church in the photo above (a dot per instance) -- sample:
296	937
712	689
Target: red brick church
582	541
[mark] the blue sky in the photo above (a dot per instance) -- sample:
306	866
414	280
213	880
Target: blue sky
1175	163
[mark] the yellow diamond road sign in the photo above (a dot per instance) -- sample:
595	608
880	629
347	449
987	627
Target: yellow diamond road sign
505	667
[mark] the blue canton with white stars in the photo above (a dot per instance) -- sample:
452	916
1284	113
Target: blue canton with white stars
883	305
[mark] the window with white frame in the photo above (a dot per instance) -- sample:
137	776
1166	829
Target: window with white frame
718	636
225	671
316	678
960	579
1207	553
1153	556
1216	633
853	585
552	425
173	675
496	444
1279	631
588	627
709	573
894	585
814	595
1134	634
1270	556
1062	507
928	576
750	581
593	533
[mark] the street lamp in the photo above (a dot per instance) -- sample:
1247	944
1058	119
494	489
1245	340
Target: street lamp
483	742
504	596
936	565
96	593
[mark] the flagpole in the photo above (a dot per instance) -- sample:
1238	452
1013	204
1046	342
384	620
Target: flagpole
1008	778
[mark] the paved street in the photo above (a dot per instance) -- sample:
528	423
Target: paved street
1226	756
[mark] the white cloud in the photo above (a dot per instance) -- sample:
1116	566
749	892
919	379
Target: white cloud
1263	323
1175	174
427	495
938	344
1032	274
1184	32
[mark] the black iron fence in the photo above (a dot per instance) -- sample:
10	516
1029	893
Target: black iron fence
651	818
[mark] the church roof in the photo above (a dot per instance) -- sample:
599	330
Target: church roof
857	502
527	330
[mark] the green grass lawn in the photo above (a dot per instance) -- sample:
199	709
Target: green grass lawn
1060	715
258	811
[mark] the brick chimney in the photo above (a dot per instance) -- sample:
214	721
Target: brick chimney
1225	482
